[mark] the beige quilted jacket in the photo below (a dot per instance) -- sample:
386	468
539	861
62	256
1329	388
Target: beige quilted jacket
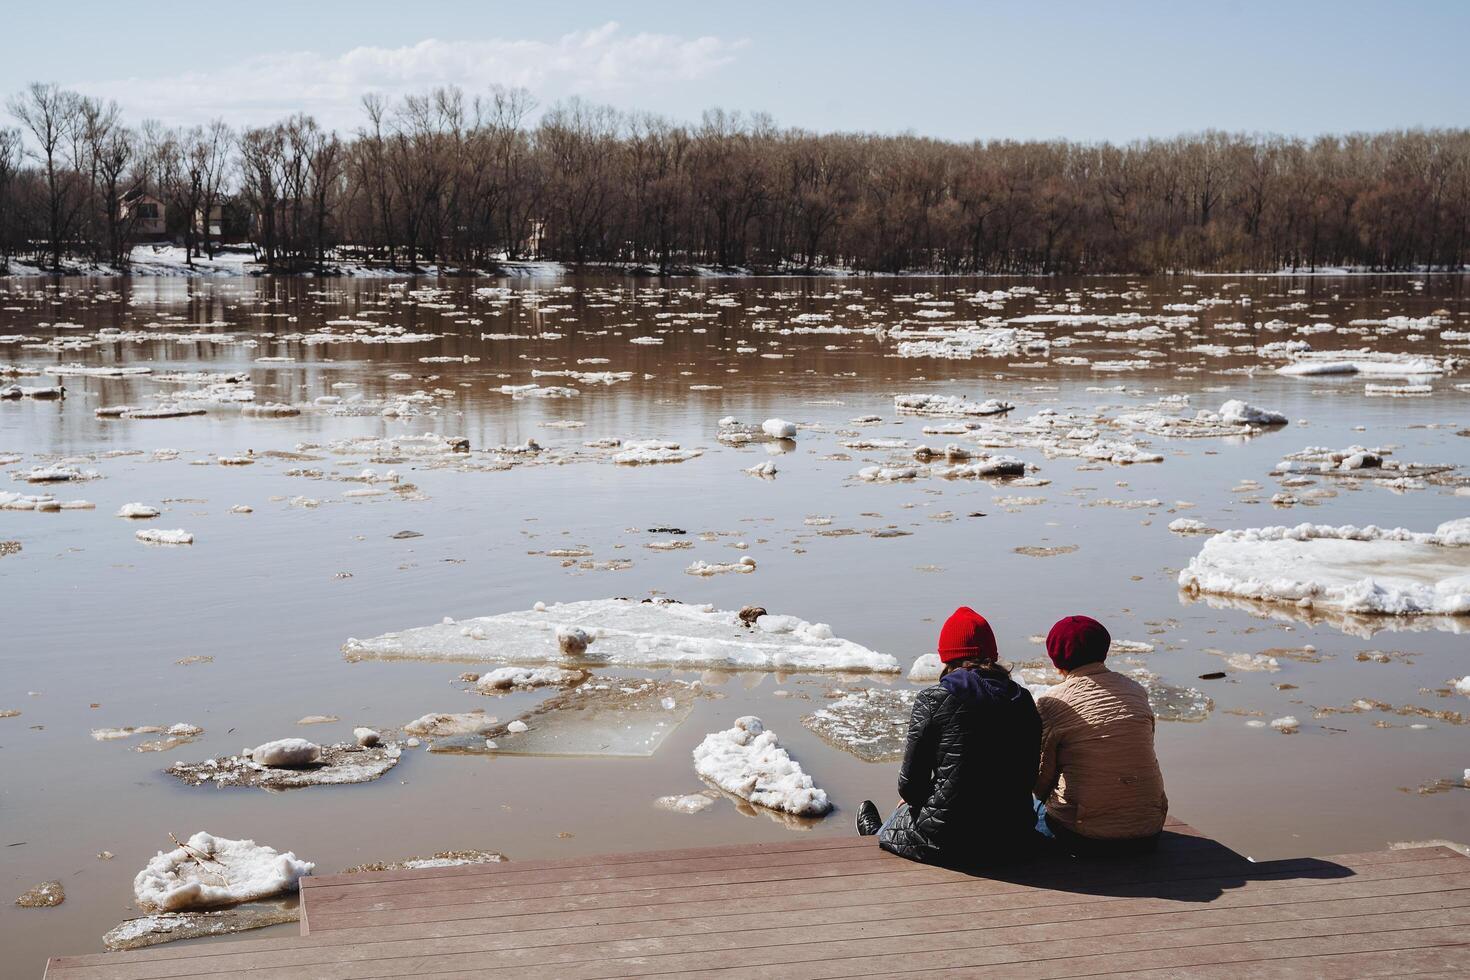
1099	775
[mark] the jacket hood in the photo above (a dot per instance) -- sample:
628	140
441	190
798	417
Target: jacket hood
968	685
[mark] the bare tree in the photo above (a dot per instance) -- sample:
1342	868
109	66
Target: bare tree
51	115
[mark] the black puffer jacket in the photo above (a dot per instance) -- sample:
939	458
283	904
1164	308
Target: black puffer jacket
971	759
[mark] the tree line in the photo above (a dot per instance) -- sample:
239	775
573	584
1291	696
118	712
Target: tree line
448	179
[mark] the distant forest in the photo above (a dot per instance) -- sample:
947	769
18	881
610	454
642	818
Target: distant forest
460	181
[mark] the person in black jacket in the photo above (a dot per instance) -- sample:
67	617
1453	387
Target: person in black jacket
970	763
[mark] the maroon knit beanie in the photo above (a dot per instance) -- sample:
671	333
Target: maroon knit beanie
966	634
1077	640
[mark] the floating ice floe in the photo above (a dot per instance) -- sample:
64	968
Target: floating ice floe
871	724
609	716
445	723
334	765
766	470
1188	525
648	451
1366	570
537	391
439	859
43	502
967	341
46	895
629	633
1397	391
1358	462
163	411
1170	702
287	752
12	392
750	763
887	474
168	927
778	429
927	667
1366	362
138	511
1238	412
160	536
208	871
689	803
704	569
56	474
948	405
525	678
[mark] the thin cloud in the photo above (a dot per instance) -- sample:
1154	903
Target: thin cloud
603	63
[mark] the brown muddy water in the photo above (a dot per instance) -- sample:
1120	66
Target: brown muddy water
96	622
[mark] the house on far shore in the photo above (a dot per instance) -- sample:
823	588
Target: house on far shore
214	227
146	215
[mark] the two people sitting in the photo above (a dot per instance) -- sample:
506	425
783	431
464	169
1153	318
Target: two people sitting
989	775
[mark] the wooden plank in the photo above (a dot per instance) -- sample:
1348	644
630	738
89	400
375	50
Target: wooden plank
342	888
556	946
881	956
1429	963
330	895
1177	833
1201	882
797	910
1039	907
223	966
815	909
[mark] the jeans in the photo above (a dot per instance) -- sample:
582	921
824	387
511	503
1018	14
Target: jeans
891	818
1041	827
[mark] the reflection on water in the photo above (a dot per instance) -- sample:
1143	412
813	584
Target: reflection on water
319	511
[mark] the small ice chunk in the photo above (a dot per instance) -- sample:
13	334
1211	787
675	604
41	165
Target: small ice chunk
1240	412
693	803
210	871
779	429
506	678
1286	725
766	470
927	667
1188	525
160	536
366	737
137	511
440	724
517	727
287	752
750	763
572	640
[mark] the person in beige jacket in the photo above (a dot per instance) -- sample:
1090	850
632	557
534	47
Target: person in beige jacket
1099	779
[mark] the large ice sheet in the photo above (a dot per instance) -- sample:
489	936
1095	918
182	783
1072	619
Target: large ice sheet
629	633
1361	570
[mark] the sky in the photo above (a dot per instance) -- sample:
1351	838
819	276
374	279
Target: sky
1114	70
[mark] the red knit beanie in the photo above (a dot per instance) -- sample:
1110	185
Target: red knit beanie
966	634
1077	640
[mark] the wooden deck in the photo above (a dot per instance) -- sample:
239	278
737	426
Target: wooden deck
839	907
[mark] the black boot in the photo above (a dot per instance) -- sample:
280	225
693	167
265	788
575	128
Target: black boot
868	820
